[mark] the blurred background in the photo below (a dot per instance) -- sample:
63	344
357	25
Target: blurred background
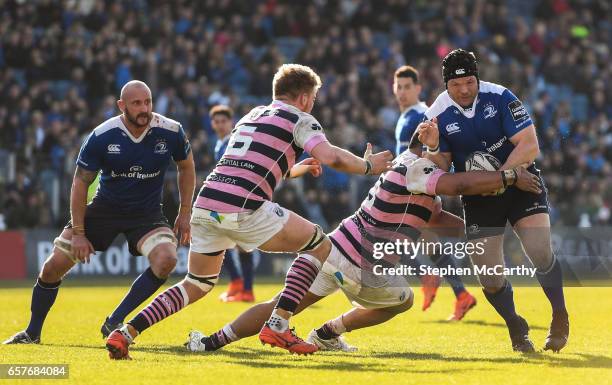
62	64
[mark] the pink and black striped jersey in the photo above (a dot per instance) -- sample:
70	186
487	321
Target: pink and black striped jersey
263	147
390	211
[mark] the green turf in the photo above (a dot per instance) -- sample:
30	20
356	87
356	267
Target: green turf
414	348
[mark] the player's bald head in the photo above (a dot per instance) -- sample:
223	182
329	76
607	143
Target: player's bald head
132	87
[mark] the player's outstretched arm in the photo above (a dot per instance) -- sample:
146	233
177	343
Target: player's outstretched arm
344	161
186	177
81	247
482	182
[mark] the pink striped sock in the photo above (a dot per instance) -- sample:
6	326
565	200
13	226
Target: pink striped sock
163	306
300	276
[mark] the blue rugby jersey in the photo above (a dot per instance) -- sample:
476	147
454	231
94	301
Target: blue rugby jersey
220	147
495	116
133	169
407	124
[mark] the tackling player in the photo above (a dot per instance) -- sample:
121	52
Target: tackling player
234	207
241	285
473	115
133	151
407	88
398	206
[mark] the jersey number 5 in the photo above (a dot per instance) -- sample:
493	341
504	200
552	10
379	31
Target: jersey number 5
239	143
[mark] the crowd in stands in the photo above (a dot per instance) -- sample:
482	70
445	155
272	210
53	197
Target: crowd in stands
62	64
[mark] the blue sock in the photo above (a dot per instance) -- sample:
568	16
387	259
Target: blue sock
43	297
503	302
143	287
230	266
552	284
246	264
444	261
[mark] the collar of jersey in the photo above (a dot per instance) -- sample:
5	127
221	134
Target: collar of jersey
127	132
468	114
288	106
413	106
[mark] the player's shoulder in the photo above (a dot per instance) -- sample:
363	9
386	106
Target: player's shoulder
165	123
442	104
495	92
106	127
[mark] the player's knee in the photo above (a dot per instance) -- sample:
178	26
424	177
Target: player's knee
317	241
160	248
51	271
199	285
163	263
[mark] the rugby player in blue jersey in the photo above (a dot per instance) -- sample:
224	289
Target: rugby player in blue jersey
407	88
473	115
241	278
132	151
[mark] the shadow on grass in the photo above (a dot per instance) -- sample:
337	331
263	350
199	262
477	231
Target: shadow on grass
479	323
371	361
572	360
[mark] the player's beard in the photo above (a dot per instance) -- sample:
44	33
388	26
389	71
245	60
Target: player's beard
135	119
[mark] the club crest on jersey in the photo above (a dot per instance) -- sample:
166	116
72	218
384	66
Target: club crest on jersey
161	147
453	128
489	111
114	149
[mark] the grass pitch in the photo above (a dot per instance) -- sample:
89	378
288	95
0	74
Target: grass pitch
414	348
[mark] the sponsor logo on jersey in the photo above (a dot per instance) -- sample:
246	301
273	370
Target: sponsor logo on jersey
489	111
496	145
161	148
452	128
316	127
518	110
135	174
114	149
136	168
428	170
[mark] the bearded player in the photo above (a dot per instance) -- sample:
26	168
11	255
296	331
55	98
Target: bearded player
133	151
476	116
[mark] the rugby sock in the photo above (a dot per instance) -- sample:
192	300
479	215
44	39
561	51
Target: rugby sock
503	302
43	297
164	305
231	267
219	339
143	287
246	264
300	276
446	261
331	329
552	283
